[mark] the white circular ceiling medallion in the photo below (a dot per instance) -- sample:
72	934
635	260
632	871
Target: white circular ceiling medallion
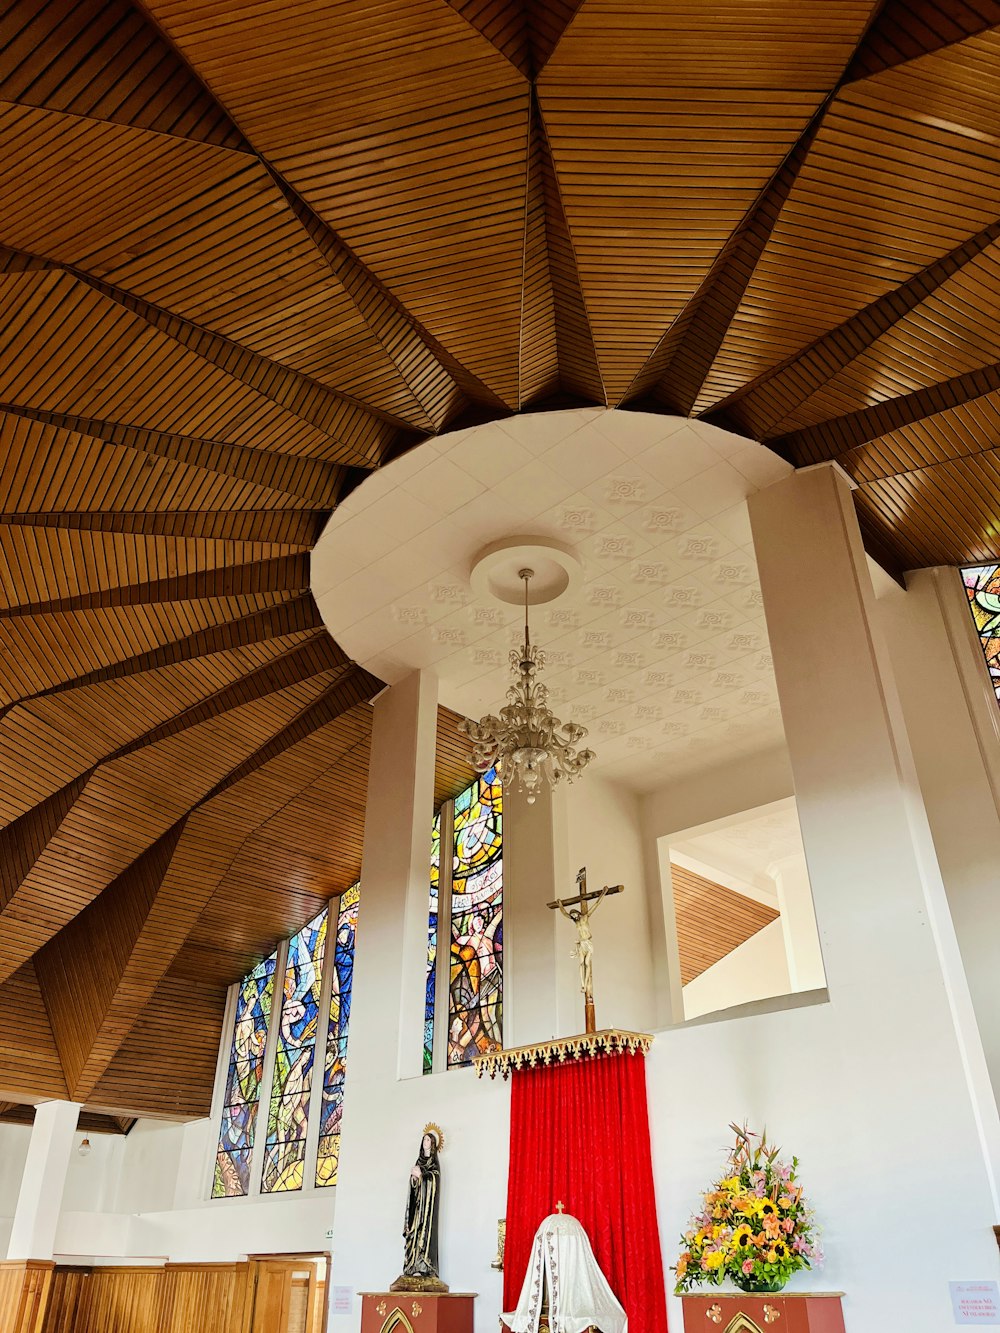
496	570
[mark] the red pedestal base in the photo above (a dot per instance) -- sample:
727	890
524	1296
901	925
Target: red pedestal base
416	1312
806	1312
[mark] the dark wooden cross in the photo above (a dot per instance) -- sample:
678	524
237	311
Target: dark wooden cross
584	950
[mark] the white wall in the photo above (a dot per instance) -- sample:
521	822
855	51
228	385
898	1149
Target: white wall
953	721
604	833
755	970
805	1073
14	1141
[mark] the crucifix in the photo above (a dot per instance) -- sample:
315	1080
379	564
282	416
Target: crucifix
580	913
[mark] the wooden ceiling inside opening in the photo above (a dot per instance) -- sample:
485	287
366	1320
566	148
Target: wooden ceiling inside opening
248	253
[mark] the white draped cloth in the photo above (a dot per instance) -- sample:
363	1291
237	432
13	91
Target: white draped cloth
579	1296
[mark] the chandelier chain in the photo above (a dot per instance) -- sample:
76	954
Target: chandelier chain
527	743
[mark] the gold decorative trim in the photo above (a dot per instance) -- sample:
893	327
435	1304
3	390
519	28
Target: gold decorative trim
433	1128
609	1041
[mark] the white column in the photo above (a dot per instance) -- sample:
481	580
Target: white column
892	962
390	977
387	1099
953	723
39	1201
798	923
534	874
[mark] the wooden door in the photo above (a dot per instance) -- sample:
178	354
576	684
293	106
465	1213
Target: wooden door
272	1295
288	1296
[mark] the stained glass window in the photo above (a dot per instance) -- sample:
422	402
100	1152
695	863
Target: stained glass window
432	927
328	1153
246	1070
982	583
475	1018
288	1114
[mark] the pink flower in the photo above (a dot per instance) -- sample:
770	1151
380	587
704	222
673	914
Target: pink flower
747	1266
788	1225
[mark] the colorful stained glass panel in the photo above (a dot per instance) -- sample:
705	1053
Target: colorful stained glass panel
982	583
335	1067
246	1070
291	1085
432	929
475	1018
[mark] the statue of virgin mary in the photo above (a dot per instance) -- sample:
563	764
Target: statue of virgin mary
420	1220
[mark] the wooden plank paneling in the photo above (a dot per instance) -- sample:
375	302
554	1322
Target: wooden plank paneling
413	154
712	920
29	1058
248	254
904	168
103	59
120	1300
24	1295
665	122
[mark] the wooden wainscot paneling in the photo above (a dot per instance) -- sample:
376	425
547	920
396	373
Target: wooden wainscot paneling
24	1294
118	1300
199	1295
65	1297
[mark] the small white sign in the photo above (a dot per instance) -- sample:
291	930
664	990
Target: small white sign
975	1302
341	1300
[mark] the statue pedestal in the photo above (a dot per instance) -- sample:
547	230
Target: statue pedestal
417	1312
784	1312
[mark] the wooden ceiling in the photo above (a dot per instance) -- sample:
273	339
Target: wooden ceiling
248	253
712	920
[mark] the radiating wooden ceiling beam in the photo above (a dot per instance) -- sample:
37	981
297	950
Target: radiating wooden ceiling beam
442	385
287	573
280	527
104	59
673	376
907	29
525	31
756	408
557	344
23	840
298	613
80	969
274	478
361	432
829	439
131	800
101	969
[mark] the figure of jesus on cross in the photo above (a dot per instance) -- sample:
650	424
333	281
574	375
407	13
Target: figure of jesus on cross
583	950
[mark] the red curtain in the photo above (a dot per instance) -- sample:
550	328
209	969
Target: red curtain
579	1133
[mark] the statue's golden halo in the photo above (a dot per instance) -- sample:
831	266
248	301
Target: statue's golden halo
437	1131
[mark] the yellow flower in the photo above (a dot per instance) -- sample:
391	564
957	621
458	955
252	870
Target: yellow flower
714	1260
784	1202
731	1184
742	1237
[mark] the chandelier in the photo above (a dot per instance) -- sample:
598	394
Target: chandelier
526	743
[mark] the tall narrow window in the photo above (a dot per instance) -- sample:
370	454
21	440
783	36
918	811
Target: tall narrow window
243	1080
328	1152
475	1018
288	1116
432	937
982	583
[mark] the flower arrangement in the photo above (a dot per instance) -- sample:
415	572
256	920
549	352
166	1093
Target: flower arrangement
754	1226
